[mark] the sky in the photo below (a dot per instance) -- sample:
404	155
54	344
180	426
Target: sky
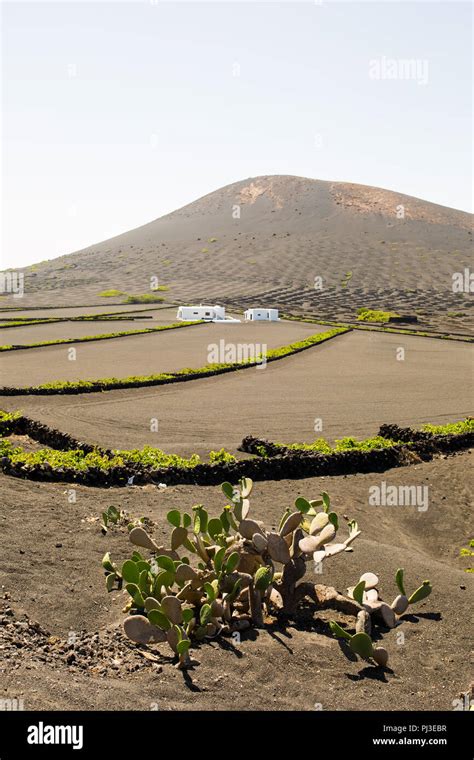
115	113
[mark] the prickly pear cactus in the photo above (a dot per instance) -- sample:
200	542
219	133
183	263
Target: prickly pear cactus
224	573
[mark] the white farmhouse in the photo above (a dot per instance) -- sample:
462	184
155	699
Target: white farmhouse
193	313
254	315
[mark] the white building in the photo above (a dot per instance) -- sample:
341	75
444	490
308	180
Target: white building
192	313
254	315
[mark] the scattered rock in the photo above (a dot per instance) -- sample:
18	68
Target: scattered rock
92	654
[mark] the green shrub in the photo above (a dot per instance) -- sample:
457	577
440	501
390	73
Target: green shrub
467	552
9	416
221	456
373	315
349	443
7	449
145	298
346	279
155	458
111	293
7	420
451	428
321	446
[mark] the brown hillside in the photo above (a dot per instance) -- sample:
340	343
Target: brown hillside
267	238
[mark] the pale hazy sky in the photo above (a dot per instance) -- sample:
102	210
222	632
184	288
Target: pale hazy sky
115	113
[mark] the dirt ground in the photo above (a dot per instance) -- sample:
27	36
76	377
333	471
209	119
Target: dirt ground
36	312
50	571
146	354
353	383
62	330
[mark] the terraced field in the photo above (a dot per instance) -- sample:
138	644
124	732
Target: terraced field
143	354
80	311
353	384
32	334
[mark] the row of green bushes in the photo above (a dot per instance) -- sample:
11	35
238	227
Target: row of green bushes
143	298
103	336
112	383
321	446
26	322
80	461
451	428
349	443
106	315
390	440
66	459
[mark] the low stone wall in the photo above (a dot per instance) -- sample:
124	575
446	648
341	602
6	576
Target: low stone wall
53	439
441	444
407	318
277	468
280	463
